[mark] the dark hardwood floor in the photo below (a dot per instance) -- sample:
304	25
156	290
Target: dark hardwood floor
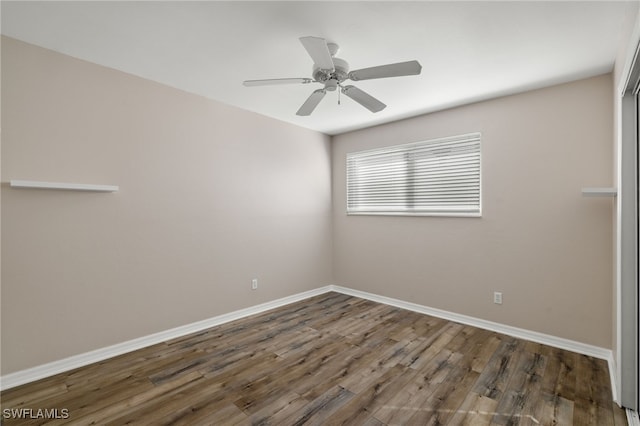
330	360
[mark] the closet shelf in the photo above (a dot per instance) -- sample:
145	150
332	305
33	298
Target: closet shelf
63	186
599	192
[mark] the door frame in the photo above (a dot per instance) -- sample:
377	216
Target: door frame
627	240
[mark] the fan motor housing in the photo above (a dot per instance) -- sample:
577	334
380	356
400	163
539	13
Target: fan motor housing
339	74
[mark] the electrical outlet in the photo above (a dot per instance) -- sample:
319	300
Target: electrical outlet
497	298
254	284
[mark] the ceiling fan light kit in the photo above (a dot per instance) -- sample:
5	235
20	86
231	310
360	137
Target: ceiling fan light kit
332	72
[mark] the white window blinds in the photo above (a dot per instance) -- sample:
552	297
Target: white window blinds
436	177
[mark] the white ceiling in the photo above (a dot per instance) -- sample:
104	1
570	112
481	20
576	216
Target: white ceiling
469	50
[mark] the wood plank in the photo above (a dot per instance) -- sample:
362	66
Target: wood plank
560	378
348	365
449	396
258	393
96	410
619	415
400	408
22	396
427	348
494	378
170	407
593	400
475	410
317	411
93	398
524	385
284	413
552	409
360	407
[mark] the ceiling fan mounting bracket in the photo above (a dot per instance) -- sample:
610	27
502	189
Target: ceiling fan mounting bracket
333	48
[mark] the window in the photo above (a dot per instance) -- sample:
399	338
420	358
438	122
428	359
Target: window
436	177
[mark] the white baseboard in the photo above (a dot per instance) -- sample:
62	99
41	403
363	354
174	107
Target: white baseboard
611	361
39	372
546	339
534	336
632	418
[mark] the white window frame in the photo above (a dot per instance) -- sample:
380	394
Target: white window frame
400	202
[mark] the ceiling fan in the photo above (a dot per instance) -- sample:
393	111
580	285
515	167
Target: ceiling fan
332	72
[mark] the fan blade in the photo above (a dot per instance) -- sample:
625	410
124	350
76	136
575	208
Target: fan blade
363	98
319	52
312	102
383	71
274	81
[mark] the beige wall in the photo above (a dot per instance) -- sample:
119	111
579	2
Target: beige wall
210	197
542	244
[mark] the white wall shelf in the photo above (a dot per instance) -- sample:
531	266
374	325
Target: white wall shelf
63	186
599	192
